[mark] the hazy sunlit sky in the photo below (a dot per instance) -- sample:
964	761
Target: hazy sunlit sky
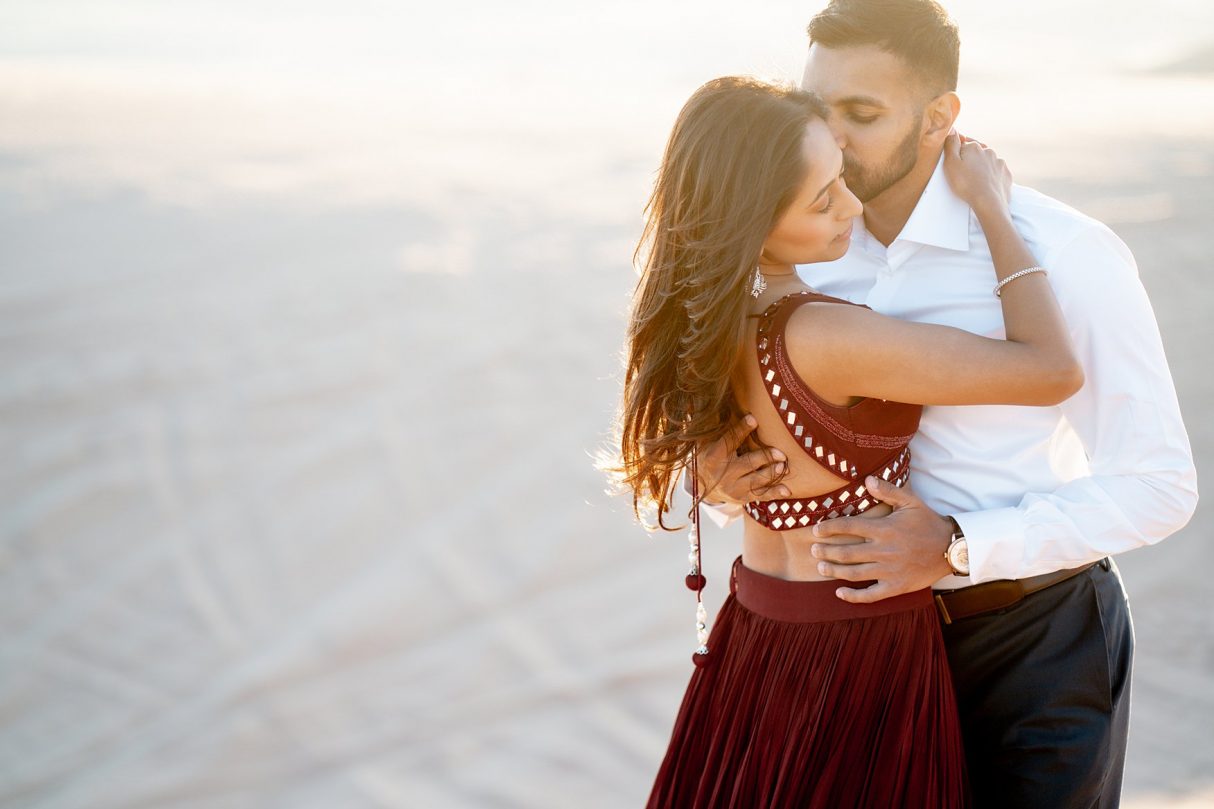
321	104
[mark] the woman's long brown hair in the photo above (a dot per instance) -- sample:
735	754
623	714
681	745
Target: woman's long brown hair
732	166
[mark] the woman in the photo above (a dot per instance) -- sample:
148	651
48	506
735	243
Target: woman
799	698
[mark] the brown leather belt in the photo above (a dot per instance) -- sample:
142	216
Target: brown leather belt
966	602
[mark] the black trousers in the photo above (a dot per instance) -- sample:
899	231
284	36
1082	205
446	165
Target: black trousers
1044	693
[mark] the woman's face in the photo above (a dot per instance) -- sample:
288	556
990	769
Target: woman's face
817	225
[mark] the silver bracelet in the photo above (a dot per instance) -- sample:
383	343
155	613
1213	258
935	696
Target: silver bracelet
999	286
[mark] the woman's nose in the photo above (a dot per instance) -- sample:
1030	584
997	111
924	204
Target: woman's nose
853	206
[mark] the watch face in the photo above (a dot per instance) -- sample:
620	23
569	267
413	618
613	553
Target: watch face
959	556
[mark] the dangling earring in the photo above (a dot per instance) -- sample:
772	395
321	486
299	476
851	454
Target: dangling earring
759	284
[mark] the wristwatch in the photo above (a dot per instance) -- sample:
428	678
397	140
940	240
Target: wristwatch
958	553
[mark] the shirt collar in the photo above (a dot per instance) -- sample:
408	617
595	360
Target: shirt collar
940	218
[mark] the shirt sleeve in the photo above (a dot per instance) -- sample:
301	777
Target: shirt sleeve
722	514
1142	484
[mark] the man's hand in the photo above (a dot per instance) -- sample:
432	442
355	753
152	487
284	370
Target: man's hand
727	477
903	551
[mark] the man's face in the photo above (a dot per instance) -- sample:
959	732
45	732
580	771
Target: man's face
876	113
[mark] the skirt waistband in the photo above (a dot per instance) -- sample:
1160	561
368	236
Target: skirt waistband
811	601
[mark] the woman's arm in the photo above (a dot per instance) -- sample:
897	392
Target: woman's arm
852	351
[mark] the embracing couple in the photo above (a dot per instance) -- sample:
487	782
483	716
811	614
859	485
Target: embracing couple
939	402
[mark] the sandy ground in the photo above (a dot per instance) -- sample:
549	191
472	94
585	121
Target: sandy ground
291	527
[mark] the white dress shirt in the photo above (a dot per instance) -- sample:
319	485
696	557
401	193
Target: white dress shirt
1035	489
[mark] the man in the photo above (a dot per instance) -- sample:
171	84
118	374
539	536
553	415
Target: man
1036	620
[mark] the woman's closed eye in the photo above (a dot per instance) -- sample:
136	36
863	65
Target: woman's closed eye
830	199
861	119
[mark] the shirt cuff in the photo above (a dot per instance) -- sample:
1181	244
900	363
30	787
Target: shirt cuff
721	514
995	541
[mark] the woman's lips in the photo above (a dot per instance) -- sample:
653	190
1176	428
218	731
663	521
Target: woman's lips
845	235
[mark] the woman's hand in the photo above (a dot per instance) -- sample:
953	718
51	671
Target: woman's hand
976	173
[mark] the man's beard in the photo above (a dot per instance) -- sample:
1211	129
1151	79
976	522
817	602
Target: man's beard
869	183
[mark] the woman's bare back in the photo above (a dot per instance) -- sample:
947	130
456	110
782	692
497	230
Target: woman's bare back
784	554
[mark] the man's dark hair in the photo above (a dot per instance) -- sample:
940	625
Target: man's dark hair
917	31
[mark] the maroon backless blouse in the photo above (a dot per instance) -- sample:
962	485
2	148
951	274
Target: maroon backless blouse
867	438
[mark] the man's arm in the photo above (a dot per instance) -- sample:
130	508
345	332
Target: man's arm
1142	485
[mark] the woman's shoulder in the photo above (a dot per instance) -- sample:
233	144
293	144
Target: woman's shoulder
813	325
818	334
811	314
787	303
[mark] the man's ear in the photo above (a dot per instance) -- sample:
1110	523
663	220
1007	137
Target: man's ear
939	116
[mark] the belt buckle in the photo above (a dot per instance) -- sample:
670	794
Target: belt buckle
999	595
1011	590
942	608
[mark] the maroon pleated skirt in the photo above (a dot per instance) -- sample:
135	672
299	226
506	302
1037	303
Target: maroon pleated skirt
809	701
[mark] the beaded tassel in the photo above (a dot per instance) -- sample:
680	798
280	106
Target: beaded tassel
695	579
